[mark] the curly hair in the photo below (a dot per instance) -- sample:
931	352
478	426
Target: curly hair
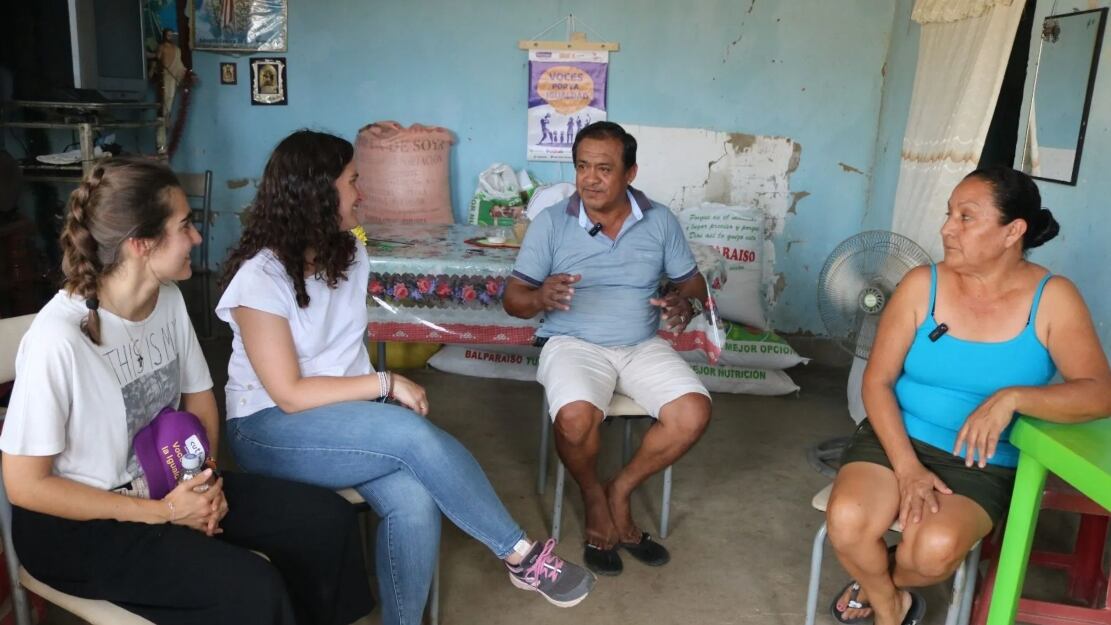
119	199
297	209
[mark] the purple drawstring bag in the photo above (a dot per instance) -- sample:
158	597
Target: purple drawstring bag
160	445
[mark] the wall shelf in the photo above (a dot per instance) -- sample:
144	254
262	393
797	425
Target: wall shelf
86	119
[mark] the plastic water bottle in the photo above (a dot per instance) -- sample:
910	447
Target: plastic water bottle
191	468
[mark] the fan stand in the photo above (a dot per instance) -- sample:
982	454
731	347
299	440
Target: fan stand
825	457
858	278
821	456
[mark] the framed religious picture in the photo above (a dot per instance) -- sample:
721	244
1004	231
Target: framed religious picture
240	25
268	84
228	74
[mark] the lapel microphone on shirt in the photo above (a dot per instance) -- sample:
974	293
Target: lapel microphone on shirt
940	330
596	229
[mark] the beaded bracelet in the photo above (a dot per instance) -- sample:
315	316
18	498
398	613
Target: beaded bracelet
385	384
173	515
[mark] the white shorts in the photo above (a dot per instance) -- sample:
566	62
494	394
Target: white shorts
650	373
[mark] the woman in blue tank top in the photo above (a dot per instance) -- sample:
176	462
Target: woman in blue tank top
962	347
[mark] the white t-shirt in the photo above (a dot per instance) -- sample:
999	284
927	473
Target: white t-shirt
327	334
83	403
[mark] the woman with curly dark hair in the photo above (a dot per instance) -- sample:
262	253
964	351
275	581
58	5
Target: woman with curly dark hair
302	397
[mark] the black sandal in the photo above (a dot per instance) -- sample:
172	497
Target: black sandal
602	561
854	590
917	611
647	551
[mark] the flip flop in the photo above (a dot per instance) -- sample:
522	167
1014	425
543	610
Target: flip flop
602	561
854	589
917	611
647	551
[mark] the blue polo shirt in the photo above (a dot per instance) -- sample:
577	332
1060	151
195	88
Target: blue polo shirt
610	306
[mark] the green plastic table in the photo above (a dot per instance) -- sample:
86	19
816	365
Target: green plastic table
1079	454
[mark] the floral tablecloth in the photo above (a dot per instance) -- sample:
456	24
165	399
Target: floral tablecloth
438	284
428	284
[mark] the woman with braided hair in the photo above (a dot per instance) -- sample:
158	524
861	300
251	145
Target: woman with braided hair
101	359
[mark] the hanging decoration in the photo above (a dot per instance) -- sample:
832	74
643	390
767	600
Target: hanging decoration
567	90
240	25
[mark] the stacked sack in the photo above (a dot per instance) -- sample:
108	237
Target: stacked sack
752	357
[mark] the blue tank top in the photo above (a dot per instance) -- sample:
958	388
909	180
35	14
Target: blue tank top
944	381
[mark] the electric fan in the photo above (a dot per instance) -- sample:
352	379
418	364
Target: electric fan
855	285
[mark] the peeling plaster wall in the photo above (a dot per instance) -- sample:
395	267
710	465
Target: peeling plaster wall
806	70
684	167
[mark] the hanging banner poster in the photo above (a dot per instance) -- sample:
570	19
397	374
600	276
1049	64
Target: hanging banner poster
567	91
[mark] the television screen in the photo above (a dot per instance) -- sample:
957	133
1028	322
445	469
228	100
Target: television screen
119	39
106	39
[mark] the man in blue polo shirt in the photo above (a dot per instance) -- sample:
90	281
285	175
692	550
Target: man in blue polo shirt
592	266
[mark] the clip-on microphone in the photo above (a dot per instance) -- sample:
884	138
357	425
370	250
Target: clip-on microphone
596	229
940	330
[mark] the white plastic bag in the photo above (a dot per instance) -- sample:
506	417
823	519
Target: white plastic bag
499	199
738	233
548	195
499	182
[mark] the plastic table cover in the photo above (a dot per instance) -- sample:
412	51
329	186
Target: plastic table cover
444	284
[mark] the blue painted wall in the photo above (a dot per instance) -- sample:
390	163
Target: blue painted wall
1081	251
899	70
810	70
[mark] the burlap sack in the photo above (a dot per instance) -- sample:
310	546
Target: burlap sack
403	173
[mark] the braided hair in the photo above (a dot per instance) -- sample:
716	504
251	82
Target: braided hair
120	198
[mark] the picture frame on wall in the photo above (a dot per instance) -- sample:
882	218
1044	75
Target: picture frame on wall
239	25
268	81
229	74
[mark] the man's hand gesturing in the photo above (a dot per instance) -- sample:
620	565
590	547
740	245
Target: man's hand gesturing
557	291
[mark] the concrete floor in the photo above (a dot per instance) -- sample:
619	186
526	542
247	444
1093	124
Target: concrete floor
742	524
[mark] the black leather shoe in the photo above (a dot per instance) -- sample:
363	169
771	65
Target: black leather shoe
602	561
647	551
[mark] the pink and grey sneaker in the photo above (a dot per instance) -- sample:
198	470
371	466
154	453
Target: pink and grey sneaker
562	583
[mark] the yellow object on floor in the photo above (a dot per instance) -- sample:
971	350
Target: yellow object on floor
404	355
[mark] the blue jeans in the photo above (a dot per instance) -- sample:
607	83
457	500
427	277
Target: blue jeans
405	467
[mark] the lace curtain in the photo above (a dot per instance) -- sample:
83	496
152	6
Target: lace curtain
956	86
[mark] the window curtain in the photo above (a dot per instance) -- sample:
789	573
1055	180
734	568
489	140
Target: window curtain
962	57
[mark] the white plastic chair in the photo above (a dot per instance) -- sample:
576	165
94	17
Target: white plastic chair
12	330
964	581
620	407
94	611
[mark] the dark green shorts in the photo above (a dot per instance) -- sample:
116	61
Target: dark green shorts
990	487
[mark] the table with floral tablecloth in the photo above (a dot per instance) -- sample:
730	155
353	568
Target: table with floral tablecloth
444	284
